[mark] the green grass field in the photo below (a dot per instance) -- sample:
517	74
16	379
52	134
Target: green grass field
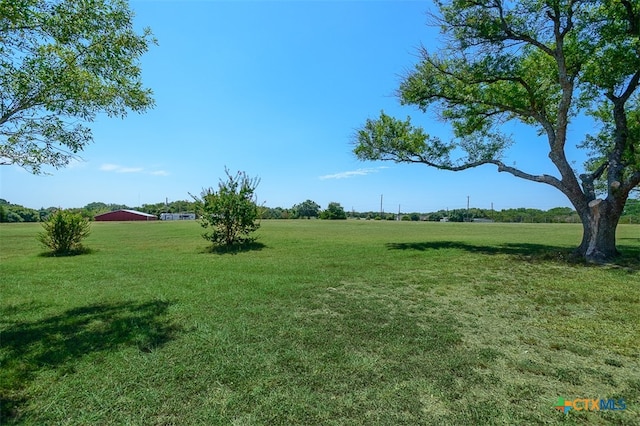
351	322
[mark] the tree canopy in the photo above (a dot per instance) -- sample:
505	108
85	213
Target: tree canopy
539	64
334	211
306	209
62	62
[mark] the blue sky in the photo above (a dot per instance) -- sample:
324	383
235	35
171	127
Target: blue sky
276	89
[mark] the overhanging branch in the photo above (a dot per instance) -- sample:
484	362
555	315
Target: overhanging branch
632	182
535	110
502	167
548	179
510	34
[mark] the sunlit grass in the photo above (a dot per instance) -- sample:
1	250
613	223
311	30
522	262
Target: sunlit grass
356	322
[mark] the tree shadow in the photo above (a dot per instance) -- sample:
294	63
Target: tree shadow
513	249
236	248
628	259
59	341
68	253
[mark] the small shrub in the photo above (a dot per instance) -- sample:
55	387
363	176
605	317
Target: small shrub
230	212
64	232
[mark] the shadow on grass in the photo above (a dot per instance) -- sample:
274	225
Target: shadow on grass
61	340
67	253
235	248
628	259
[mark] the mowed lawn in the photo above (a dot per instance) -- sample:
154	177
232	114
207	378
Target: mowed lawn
331	323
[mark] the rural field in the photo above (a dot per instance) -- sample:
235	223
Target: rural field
319	322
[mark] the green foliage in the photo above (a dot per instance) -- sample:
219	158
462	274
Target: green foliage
63	62
179	206
535	64
388	138
517	215
632	207
231	212
415	217
479	81
333	212
275	213
63	232
458	215
631	213
306	209
17	213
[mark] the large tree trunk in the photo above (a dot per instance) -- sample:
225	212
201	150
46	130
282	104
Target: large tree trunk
599	222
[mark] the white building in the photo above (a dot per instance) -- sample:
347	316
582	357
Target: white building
177	216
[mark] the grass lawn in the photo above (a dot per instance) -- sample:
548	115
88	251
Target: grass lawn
351	322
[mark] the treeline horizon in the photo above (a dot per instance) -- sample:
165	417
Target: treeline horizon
12	213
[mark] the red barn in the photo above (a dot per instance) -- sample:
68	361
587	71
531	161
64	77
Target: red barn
124	215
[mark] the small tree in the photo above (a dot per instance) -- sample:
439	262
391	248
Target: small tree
64	232
231	212
333	211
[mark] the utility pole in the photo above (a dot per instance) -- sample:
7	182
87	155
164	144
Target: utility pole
468	217
381	211
398	211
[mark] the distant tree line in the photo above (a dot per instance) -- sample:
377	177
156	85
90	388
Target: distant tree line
17	213
518	215
309	209
631	214
306	210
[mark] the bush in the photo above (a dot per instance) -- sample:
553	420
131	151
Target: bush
333	212
231	212
64	231
306	209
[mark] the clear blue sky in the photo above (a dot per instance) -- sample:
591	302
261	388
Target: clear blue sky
276	89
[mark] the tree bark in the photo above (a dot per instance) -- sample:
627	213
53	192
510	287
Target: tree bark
599	221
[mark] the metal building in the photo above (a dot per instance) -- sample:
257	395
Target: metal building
177	216
125	215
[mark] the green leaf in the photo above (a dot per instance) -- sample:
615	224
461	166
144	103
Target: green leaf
62	63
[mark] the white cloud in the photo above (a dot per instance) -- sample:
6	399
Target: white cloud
352	173
109	167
